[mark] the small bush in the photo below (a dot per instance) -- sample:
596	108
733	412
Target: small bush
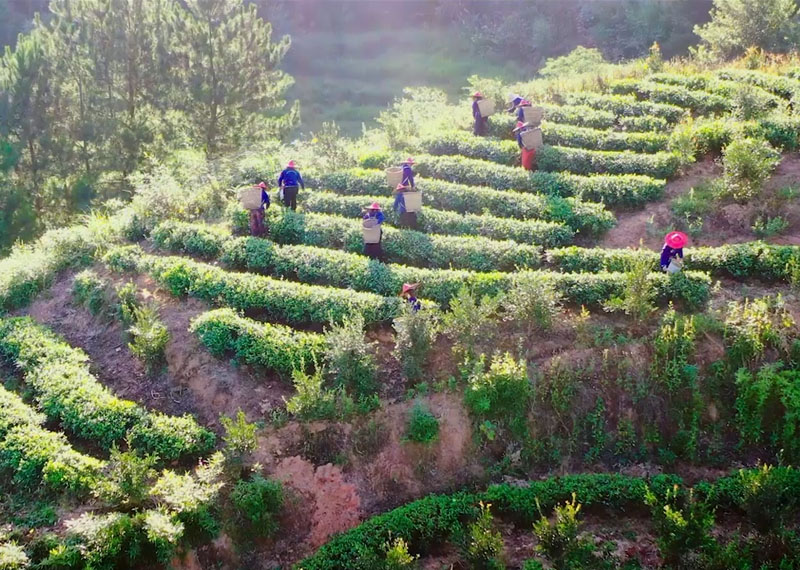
171	437
558	540
753	326
312	401
748	163
164	532
126	479
531	304
240	435
638	292
484	549
422	425
149	337
12	556
501	393
398	557
257	504
127	303
471	323
683	524
768	227
415	333
350	357
89	290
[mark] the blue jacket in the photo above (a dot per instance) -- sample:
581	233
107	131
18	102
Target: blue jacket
408	176
376	214
291	177
264	199
668	253
414	302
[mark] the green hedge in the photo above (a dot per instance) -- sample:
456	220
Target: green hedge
721	87
294	303
701	102
502	124
399	246
779	85
583	161
645	123
429	522
275	347
429	220
342	269
626	106
200	239
31	269
753	259
712	135
29	453
466	144
594	139
585	217
626	190
68	392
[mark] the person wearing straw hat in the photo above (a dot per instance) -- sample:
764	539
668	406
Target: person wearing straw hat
517	103
672	252
370	213
481	126
407	219
408	173
409	294
289	180
527	156
257	227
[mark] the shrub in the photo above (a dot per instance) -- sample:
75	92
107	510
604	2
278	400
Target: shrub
164	531
556	134
192	493
171	437
465	144
106	541
443	222
149	337
275	347
415	333
765	496
785	87
15	412
622	105
471	322
501	393
638	292
398	557
257	504
701	102
312	401
753	326
484	549
683	525
558	540
531	303
127	303
674	346
645	123
89	290
578	115
748	164
240	435
582	161
350	357
12	556
422	426
181	237
768	227
749	102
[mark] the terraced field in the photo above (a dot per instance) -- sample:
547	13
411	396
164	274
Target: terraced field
534	359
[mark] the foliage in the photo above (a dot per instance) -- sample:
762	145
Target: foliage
420	106
275	347
90	290
257	503
579	60
559	134
768	227
558	540
350	357
674	346
149	336
682	523
532	303
397	555
626	106
415	333
190	493
501	393
484	549
638	293
312	401
12	556
106	540
739	24
748	164
753	326
171	437
471	322
583	161
126	478
127	303
240	435
164	532
422	426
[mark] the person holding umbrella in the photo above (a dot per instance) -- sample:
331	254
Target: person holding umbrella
672	252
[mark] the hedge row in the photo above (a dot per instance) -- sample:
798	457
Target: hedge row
645	123
583	161
294	303
594	139
626	106
626	190
753	259
586	217
536	232
501	124
342	269
779	85
275	347
399	246
29	453
701	102
465	144
68	392
429	522
712	135
31	269
724	88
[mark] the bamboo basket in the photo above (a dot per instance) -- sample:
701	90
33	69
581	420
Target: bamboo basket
532	139
250	198
372	231
486	107
413	201
533	115
394	176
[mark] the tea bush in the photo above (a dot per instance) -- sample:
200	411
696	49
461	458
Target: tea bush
465	144
350	358
13	556
583	161
126	479
626	106
785	87
89	290
471	322
422	426
751	327
501	393
534	232
701	102
748	163
558	540
556	134
415	333
683	524
149	337
257	504
501	125
484	547
275	347
171	437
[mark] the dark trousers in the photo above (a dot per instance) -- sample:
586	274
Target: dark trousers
373	251
408	220
481	126
257	228
290	197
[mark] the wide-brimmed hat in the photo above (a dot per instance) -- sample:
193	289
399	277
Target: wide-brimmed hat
513	97
520	125
373	206
407	287
477	95
401	187
262	185
409	160
676	239
291	164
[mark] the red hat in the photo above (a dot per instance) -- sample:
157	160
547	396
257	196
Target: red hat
374	206
409	160
520	125
262	185
291	164
408	287
676	239
401	187
477	95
